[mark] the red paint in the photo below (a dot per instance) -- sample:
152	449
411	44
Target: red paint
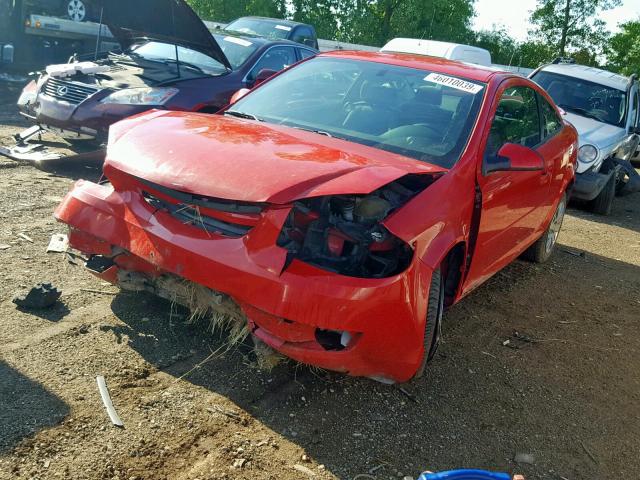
228	158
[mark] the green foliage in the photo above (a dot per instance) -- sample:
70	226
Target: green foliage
227	10
624	49
562	27
572	25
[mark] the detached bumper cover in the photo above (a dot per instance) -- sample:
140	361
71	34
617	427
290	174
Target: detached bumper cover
384	317
588	185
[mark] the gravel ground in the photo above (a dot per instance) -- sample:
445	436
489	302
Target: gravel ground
565	404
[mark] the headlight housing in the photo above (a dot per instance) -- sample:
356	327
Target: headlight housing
587	154
141	96
345	233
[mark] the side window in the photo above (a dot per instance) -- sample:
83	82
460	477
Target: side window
276	58
304	36
517	120
304	53
633	108
551	123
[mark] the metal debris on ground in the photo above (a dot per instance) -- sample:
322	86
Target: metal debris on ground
575	254
59	243
106	399
25	237
526	458
43	295
305	470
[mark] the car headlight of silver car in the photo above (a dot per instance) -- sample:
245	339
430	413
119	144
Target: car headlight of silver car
588	154
141	96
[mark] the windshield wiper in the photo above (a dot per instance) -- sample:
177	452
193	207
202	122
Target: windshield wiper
248	116
188	65
319	132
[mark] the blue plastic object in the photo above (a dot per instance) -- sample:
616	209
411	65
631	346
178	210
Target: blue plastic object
465	475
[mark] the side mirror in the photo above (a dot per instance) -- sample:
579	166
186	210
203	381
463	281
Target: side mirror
238	95
264	74
513	158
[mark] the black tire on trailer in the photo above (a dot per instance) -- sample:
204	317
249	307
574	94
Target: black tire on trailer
433	323
603	203
541	251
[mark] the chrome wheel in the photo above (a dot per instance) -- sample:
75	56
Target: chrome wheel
555	226
76	10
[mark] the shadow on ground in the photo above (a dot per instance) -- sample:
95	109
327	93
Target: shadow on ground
25	407
479	403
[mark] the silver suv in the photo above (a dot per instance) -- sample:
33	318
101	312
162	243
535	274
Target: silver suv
605	109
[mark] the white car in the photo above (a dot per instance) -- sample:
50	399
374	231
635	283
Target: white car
604	107
433	48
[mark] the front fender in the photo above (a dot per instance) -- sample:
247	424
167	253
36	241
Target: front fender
438	218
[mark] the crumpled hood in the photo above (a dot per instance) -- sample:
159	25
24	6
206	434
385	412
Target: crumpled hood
593	132
249	161
171	21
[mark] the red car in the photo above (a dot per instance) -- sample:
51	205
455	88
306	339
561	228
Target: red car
338	208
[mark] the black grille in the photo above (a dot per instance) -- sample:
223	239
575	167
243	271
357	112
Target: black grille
190	215
67	91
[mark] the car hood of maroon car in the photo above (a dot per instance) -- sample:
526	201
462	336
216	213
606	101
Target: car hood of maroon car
169	21
248	161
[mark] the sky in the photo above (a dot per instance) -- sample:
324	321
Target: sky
514	15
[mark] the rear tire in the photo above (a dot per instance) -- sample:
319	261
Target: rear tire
603	203
433	323
541	251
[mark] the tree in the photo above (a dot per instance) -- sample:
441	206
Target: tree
572	24
623	50
504	49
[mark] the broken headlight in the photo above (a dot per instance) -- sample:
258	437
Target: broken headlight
141	96
344	233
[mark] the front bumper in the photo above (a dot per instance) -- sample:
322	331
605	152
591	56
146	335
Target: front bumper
588	185
89	117
384	317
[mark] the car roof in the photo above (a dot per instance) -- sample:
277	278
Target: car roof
471	71
279	21
258	40
590	74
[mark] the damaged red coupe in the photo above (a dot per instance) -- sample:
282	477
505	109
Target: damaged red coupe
338	208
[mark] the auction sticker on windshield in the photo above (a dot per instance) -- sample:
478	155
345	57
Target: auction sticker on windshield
454	82
283	27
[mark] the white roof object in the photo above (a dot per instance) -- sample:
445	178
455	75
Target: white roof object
590	74
432	48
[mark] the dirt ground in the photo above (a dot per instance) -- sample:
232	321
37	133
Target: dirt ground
192	410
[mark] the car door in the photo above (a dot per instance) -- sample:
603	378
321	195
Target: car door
512	202
556	149
275	58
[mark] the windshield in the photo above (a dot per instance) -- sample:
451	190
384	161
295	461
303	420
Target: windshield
587	99
263	28
420	114
236	49
166	52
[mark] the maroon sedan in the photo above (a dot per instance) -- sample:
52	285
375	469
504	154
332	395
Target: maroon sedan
169	60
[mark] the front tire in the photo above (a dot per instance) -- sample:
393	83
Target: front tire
541	251
603	203
433	323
